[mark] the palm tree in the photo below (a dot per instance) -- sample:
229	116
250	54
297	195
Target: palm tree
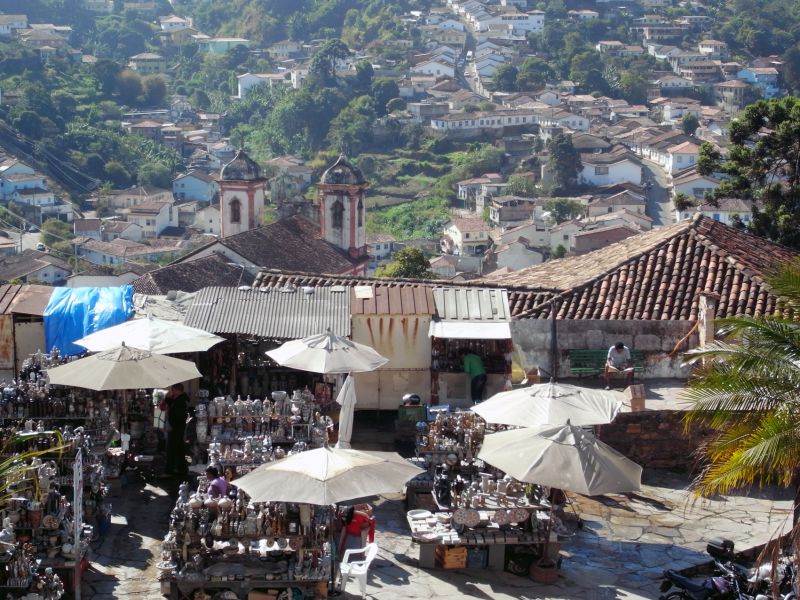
746	386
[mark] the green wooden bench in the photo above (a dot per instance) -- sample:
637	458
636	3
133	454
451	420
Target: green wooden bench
593	362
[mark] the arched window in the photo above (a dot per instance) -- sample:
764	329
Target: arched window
337	213
360	210
236	210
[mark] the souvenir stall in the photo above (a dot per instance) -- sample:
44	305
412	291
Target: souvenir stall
242	434
493	472
57	487
255	322
465	513
234	544
271	536
476	320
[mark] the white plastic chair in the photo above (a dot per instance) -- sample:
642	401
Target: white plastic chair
358	569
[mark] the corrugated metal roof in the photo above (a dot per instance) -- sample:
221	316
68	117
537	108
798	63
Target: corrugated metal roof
274	313
393	300
471	304
24	299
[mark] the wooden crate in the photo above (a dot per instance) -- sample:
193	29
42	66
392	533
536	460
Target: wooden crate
451	557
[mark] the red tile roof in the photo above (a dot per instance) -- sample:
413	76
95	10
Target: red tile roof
657	275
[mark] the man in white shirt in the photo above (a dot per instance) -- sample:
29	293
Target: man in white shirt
619	361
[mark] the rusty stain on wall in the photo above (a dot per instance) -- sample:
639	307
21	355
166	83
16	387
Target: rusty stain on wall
6	342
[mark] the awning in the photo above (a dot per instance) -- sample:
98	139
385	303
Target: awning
474	330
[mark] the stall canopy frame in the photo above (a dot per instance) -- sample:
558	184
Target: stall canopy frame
471	313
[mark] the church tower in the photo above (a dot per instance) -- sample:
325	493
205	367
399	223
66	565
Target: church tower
241	195
342	209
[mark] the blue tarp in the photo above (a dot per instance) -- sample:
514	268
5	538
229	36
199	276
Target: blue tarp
73	313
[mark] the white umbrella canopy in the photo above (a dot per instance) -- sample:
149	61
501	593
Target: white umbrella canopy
123	368
549	404
347	400
328	476
327	353
564	457
153	335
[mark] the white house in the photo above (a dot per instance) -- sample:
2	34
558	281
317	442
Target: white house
20	181
136	195
194	185
496	119
563	118
521	22
32	266
248	81
90	228
610	168
466	237
625	200
10	23
693	184
724	212
681	157
536	232
513	255
207	220
486	67
115	230
174	23
434	67
120	251
153	217
285	49
450	24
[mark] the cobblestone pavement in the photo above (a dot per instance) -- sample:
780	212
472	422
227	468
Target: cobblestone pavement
625	543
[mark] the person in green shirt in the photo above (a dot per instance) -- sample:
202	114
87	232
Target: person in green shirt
473	367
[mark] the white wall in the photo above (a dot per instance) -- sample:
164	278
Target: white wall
617	173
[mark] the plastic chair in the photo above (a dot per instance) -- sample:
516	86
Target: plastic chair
358	569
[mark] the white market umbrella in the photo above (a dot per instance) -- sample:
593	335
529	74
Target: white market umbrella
549	404
123	368
564	457
151	334
328	476
327	353
347	400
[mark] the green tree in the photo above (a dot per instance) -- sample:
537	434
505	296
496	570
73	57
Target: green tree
533	74
564	209
763	166
559	252
408	262
364	74
351	130
106	72
690	123
382	91
54	231
129	86
116	173
746	387
156	174
30	124
395	104
682	202
564	161
520	185
322	70
154	89
505	78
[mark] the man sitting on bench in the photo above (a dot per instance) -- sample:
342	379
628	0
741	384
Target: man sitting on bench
619	361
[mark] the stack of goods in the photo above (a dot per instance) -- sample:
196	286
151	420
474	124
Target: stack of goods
244	433
232	543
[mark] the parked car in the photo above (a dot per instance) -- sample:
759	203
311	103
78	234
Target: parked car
41	247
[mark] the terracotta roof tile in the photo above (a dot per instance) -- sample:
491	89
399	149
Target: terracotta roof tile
192	276
657	275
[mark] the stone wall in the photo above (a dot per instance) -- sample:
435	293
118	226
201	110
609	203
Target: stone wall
655	339
655	439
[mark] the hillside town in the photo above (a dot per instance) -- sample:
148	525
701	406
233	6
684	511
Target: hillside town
484	298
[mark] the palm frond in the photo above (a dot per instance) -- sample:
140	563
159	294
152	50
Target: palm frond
785	283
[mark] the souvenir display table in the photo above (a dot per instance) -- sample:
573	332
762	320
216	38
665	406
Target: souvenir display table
234	544
477	515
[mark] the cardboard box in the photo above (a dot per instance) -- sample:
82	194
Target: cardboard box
634	394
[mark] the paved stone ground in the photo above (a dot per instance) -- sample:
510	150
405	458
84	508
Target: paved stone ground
619	554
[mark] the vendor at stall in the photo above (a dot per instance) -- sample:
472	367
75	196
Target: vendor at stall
473	367
217	486
176	405
356	521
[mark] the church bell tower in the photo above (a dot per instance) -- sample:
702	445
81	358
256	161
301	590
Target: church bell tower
342	207
241	195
